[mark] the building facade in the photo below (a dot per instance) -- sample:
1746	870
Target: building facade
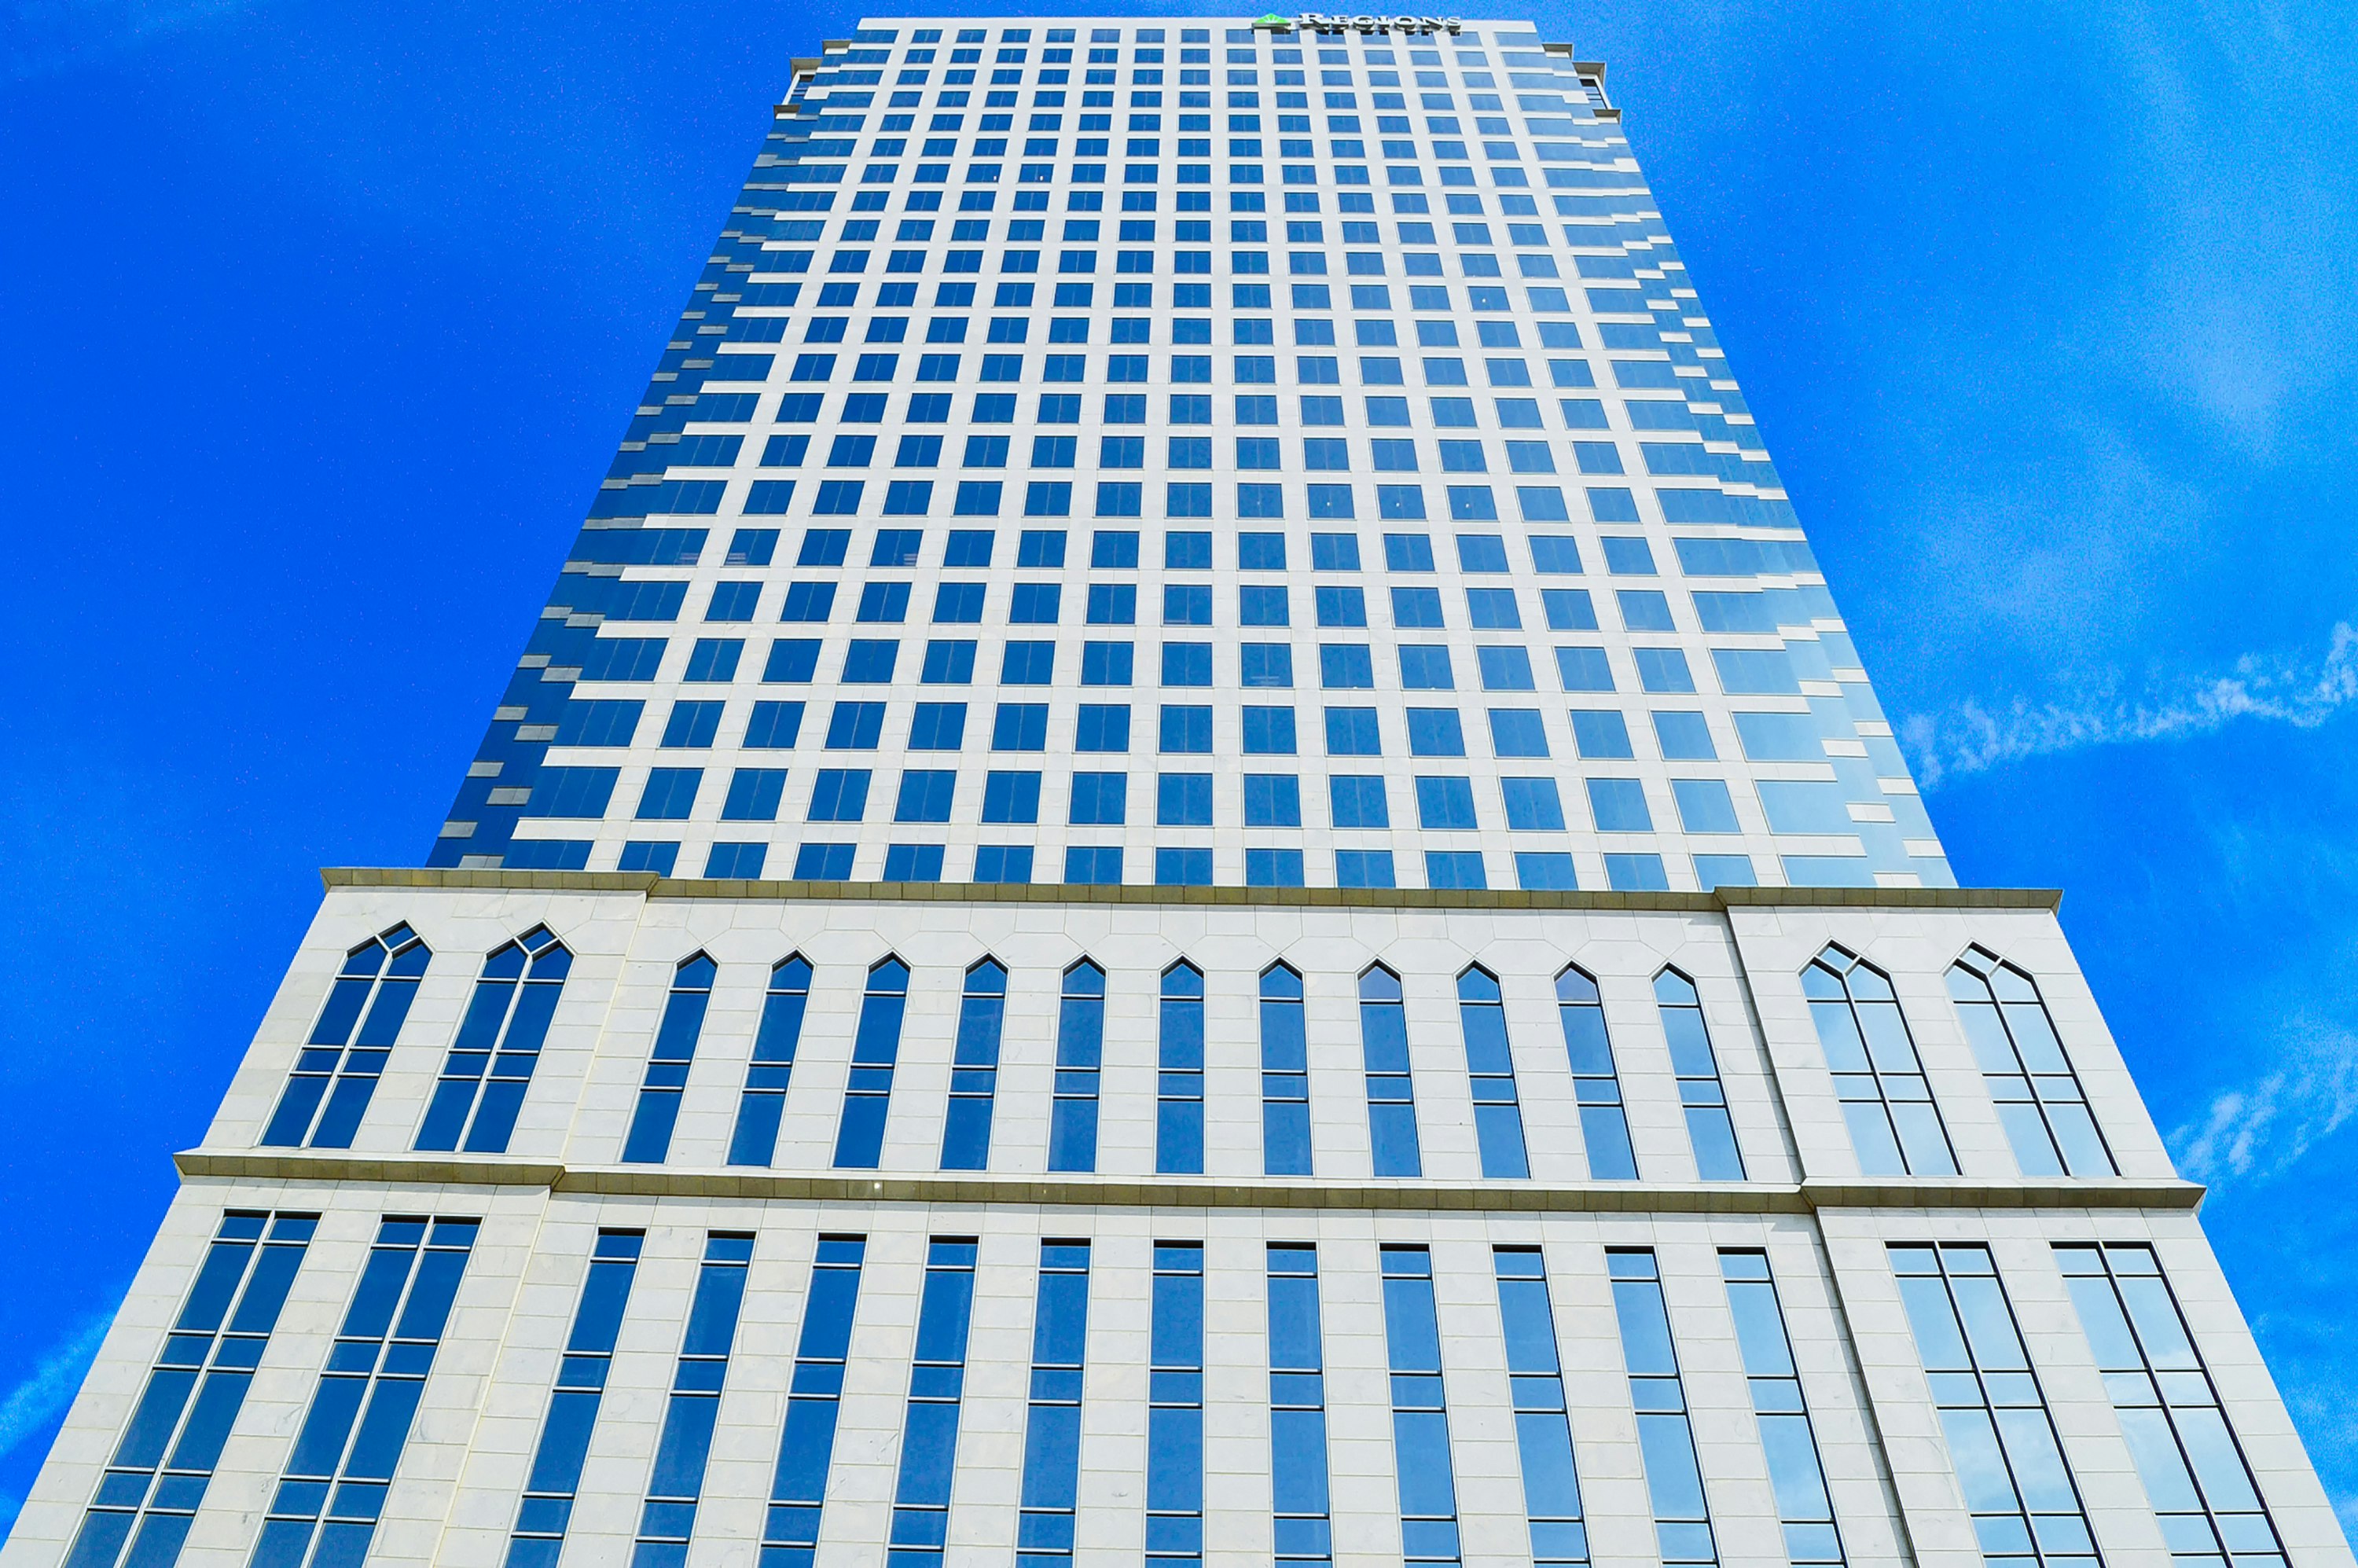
1190	869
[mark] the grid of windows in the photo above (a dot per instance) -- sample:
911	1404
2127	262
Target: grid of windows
1894	1127
337	1073
2039	1101
490	1063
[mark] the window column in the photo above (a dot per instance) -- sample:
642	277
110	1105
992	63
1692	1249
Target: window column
929	1434
1297	1406
668	1519
1542	1430
1284	1076
1179	1079
1428	1486
1701	1095
1052	1427
1080	1053
1665	1440
1391	1091
815	1398
1786	1436
1174	1416
556	1476
657	1111
875	1047
974	1069
1596	1085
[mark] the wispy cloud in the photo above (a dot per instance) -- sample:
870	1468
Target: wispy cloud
26	1409
1974	737
2259	1130
45	36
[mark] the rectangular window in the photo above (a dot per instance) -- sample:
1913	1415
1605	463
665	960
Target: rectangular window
325	1509
1297	1407
1052	1426
807	1446
1786	1437
1174	1416
754	1140
1392	1092
876	1048
194	1391
1665	1438
929	1434
667	1520
1428	1488
974	1069
555	1475
1535	1379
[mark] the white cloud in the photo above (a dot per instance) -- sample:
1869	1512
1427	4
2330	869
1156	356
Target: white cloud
50	1386
2261	1128
1973	737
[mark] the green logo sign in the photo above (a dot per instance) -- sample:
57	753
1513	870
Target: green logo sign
1273	23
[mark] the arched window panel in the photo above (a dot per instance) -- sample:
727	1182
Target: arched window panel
2039	1100
657	1111
1595	1080
1391	1091
337	1072
1080	1055
1179	1076
1285	1074
754	1140
1491	1070
875	1050
1895	1128
490	1064
1702	1098
974	1067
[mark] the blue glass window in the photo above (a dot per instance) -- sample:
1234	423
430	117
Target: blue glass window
336	1073
755	1137
657	1112
490	1063
667	1520
974	1068
875	1049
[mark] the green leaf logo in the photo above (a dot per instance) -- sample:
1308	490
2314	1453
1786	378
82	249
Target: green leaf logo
1273	22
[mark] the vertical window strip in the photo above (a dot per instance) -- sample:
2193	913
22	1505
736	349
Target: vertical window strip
2195	1473
1284	1076
326	1507
1665	1438
336	1073
490	1063
1179	1080
1052	1426
1894	1124
194	1391
1174	1416
974	1068
1787	1438
555	1476
1491	1067
1428	1484
1297	1407
1543	1429
1701	1095
755	1139
2039	1101
649	1140
667	1522
1595	1084
2002	1443
1080	1053
806	1445
921	1500
1391	1091
875	1047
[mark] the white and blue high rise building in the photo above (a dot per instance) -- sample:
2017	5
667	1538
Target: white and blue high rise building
1190	869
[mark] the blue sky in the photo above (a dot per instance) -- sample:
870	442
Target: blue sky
317	325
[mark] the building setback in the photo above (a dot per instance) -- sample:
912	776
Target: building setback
1190	869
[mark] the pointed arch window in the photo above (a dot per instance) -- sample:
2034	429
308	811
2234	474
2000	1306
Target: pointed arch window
1391	1090
1490	1067
876	1048
759	1108
1596	1085
1701	1095
1285	1074
974	1068
2039	1097
490	1064
1179	1077
1080	1053
657	1112
1894	1124
336	1073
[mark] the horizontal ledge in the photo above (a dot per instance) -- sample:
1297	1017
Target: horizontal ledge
1124	1192
1717	901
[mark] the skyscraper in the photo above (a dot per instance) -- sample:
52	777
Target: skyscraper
1190	868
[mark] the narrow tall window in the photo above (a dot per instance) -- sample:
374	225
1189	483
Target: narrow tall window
675	1051
556	1476
325	1511
1284	1074
2002	1442
1665	1438
1596	1085
1709	1130
2039	1097
1175	1415
490	1064
974	1069
814	1398
1786	1437
875	1047
755	1139
1428	1486
374	991
929	1434
1179	1079
667	1520
194	1392
1490	1063
1391	1091
1542	1433
1894	1124
1297	1406
1080	1053
1052	1426
2194	1471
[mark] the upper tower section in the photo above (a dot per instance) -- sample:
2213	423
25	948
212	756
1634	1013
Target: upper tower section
1270	454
